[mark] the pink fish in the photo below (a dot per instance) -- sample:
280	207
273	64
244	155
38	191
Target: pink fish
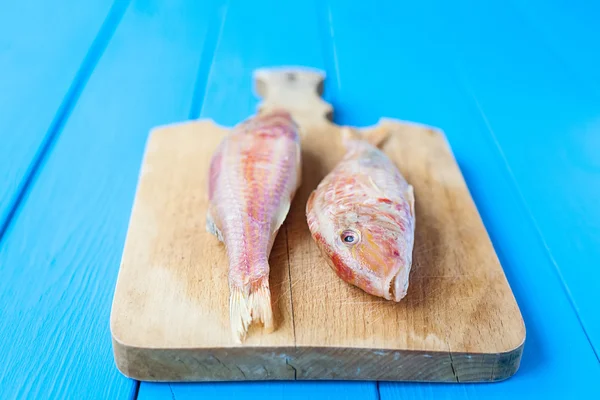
254	175
362	217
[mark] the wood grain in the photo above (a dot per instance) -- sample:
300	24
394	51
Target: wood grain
459	321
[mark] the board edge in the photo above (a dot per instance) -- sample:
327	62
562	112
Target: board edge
240	363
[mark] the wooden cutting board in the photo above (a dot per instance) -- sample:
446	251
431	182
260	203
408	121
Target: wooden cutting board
458	323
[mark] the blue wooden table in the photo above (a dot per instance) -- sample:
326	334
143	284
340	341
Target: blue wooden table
515	85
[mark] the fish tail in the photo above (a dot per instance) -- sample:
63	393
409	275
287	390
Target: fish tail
248	306
376	136
260	304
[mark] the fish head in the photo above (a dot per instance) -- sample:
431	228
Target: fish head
367	245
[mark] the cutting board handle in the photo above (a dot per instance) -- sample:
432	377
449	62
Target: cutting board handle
296	89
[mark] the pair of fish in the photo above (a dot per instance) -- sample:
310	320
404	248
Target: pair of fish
361	215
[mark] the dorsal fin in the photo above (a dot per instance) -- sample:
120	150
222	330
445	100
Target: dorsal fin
375	137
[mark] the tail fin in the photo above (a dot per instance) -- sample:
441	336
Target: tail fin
246	307
376	136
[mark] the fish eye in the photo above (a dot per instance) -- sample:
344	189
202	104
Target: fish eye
350	237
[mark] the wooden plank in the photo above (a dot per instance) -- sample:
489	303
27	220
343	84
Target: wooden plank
423	69
566	31
272	390
251	39
541	108
46	51
60	260
170	312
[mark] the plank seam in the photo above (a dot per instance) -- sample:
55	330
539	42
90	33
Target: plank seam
532	219
82	76
452	366
207	57
136	390
327	35
287	247
287	361
172	393
452	213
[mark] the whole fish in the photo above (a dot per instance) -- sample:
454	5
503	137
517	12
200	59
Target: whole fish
254	175
362	217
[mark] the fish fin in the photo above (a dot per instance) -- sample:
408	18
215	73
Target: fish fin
260	304
376	136
299	165
349	134
281	215
410	197
211	226
239	314
310	201
302	132
247	307
279	219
